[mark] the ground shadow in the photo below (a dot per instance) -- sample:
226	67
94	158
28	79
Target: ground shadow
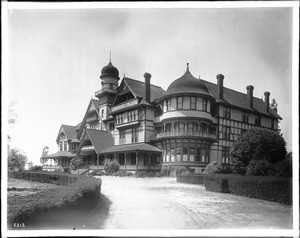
85	214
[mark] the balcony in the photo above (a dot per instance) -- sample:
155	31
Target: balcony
105	90
129	124
184	134
125	105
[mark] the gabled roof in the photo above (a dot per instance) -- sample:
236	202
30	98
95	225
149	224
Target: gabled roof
69	132
96	104
101	140
240	100
131	148
138	89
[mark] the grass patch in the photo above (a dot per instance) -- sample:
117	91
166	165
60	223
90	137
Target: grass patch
74	188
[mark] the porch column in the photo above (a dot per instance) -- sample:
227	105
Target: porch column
125	154
97	160
149	159
137	160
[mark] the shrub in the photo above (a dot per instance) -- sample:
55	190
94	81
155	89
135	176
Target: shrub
260	168
121	173
259	144
76	163
215	167
275	189
239	168
165	170
284	168
144	174
111	166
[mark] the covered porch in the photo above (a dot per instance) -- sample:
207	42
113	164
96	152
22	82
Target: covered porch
134	157
58	161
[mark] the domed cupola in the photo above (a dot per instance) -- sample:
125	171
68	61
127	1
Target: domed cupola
110	71
187	84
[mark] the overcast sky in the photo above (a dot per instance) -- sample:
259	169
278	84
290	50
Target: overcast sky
55	58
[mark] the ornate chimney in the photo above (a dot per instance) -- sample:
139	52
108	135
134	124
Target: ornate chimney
147	77
267	100
250	94
220	78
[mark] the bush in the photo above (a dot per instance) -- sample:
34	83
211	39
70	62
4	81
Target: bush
165	170
215	167
76	188
111	166
260	168
259	144
76	163
275	189
284	168
121	173
239	168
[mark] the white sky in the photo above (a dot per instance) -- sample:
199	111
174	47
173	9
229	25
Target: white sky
55	58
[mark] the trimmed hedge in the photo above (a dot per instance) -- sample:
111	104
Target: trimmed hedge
190	178
274	189
75	188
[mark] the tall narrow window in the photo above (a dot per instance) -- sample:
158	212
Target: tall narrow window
257	121
193	103
245	117
102	113
134	135
190	126
168	104
172	154
226	132
181	126
192	154
179	103
178	154
184	155
198	154
204	105
65	146
61	146
122	137
226	112
225	155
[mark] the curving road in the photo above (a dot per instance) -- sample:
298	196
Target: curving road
162	203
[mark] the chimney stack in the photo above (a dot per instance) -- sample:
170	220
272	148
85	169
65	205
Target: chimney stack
220	78
147	77
250	94
267	100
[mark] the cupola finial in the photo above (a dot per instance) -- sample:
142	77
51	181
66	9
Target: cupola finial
187	66
110	56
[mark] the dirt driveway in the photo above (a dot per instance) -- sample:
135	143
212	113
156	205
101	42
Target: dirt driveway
162	203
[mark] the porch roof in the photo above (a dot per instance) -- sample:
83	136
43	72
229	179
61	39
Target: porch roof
131	148
61	154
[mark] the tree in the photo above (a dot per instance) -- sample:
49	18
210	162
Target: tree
16	159
274	105
44	153
259	144
30	165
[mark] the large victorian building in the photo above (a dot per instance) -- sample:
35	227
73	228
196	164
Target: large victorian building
144	127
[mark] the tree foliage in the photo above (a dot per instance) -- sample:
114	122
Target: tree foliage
274	105
259	144
16	159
